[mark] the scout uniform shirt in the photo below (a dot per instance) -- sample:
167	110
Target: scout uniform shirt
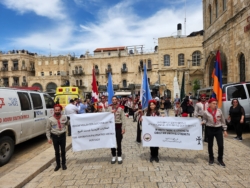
119	115
219	120
200	108
56	127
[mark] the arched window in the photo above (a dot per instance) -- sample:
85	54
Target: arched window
149	64
124	66
109	66
181	60
80	82
196	58
210	14
242	68
77	82
80	68
224	4
124	83
76	70
166	60
216	8
141	63
96	66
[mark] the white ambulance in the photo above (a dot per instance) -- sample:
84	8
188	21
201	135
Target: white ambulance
23	115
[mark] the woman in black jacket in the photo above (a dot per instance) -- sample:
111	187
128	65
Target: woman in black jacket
237	117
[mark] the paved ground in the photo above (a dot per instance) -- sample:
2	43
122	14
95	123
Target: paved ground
25	152
177	168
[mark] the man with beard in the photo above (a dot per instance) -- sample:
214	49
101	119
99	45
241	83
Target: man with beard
119	129
56	133
103	103
199	110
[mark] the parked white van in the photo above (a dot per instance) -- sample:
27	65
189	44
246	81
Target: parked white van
240	91
23	115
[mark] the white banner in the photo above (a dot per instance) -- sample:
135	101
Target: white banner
92	131
172	132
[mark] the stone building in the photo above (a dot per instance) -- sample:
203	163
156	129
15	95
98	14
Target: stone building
16	67
227	28
170	59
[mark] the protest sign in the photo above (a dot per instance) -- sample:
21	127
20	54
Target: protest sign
92	131
172	132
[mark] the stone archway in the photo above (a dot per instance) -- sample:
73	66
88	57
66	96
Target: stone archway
38	85
51	87
224	68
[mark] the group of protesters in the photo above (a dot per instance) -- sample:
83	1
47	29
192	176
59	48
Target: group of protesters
212	120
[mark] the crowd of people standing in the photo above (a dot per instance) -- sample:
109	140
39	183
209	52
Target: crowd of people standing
212	120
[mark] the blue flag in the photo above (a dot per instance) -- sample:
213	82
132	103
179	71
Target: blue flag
110	89
146	95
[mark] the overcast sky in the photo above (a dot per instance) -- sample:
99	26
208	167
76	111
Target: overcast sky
75	26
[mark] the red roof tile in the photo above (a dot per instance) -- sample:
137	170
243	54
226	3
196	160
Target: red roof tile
110	49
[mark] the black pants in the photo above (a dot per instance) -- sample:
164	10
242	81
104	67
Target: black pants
138	136
69	127
59	143
216	132
154	151
125	109
238	128
118	132
204	128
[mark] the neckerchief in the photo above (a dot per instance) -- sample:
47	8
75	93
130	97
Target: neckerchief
204	105
114	108
213	114
58	122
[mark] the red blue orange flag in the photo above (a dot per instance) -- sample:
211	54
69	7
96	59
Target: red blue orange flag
95	96
217	77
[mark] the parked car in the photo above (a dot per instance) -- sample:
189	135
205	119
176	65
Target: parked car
23	115
240	91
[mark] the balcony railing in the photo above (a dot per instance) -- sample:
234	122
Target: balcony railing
142	69
32	69
4	69
23	68
97	71
78	72
24	83
14	68
15	84
6	85
124	70
108	70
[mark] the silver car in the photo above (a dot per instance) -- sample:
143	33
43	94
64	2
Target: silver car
240	91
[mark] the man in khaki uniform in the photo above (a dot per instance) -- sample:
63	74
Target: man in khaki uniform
56	133
119	129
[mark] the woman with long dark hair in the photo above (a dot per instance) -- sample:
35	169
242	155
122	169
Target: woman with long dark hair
237	117
152	111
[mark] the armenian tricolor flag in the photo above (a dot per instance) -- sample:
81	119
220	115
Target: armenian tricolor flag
217	77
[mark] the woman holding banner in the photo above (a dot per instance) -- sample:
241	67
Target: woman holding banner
152	111
216	126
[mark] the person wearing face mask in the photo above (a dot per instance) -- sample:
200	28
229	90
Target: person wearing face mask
56	133
216	127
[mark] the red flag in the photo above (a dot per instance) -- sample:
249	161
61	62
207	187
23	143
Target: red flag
94	88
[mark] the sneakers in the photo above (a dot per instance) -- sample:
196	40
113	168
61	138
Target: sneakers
211	162
236	138
113	160
57	168
119	160
221	163
240	139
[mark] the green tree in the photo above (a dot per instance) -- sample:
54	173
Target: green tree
196	85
